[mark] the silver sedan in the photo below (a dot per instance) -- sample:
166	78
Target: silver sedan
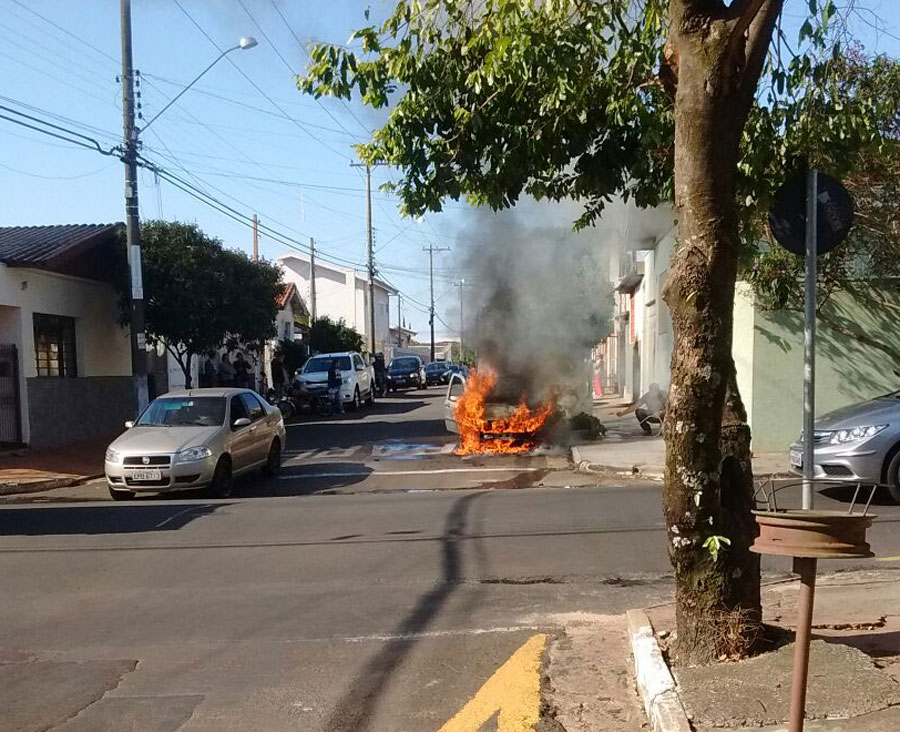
193	440
857	443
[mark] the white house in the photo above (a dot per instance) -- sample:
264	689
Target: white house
341	292
65	361
767	346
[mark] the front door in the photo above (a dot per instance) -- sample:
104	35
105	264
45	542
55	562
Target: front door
10	422
260	430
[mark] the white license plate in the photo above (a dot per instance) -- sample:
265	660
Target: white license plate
141	475
796	459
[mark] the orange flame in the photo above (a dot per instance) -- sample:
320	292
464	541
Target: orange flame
512	434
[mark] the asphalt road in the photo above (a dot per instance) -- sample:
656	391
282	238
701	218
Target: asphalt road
375	585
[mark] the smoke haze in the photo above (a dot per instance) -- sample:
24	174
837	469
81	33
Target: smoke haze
537	297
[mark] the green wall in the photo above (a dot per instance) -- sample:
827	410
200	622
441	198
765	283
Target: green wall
858	342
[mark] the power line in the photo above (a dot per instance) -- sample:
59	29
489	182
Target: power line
303	48
68	33
93	146
288	65
256	86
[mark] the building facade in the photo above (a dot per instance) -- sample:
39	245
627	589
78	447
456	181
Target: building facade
65	359
341	293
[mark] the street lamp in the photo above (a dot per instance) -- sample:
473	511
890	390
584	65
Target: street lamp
132	218
245	43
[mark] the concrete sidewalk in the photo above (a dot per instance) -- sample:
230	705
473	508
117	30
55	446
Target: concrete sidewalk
28	471
854	679
627	450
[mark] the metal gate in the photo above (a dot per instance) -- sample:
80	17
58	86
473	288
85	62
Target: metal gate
10	420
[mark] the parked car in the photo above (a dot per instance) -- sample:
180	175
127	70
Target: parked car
455	368
859	443
358	380
193	440
405	372
435	372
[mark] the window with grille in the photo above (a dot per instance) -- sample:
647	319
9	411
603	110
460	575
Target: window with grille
54	345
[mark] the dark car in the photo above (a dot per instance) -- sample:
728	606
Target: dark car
454	368
435	373
405	372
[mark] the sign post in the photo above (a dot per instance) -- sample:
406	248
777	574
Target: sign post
809	341
810	215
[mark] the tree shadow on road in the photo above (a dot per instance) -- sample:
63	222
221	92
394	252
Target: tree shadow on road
69	520
355	709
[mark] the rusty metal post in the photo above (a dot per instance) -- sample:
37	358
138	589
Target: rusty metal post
806	568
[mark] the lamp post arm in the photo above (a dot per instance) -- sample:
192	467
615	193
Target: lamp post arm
196	79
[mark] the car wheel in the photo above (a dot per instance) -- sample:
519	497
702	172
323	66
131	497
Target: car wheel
222	485
120	495
354	405
893	477
370	399
272	466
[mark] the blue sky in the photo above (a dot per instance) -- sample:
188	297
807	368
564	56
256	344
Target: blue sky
244	134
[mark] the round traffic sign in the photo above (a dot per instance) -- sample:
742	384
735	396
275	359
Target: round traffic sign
787	214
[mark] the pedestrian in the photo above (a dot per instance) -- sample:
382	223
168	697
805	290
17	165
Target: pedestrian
278	375
241	372
208	375
335	381
380	374
226	371
651	407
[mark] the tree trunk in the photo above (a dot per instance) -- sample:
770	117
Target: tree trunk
186	367
707	499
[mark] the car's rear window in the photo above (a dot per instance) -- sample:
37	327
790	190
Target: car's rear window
319	364
184	412
404	363
435	367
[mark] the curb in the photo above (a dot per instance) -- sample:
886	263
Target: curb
655	683
643	471
38	486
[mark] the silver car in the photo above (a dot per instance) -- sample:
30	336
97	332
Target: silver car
197	439
857	443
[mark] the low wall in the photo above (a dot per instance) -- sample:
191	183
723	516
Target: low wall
62	411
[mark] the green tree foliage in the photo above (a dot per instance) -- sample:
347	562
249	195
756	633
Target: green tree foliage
198	296
848	88
654	100
332	336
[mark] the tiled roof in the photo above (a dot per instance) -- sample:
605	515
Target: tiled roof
285	295
37	245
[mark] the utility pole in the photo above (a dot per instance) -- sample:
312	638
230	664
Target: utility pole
312	279
132	219
431	249
370	255
399	323
462	283
255	238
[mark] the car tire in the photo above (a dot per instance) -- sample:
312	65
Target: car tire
370	399
272	466
120	495
222	484
893	477
354	405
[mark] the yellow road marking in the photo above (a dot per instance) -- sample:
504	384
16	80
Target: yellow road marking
514	689
887	559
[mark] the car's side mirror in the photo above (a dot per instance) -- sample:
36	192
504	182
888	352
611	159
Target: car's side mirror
241	422
129	424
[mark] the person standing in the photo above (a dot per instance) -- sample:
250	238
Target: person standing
208	375
335	381
241	372
226	371
278	375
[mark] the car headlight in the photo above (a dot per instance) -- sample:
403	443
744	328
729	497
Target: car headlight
839	437
191	454
112	456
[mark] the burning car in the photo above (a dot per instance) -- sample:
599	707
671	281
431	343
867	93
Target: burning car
487	421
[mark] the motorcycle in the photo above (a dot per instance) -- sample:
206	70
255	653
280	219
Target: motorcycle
285	403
